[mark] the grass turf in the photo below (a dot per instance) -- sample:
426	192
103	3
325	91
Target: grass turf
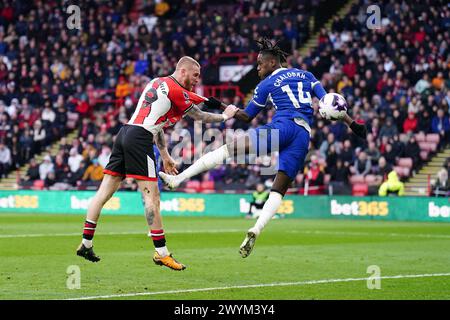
36	250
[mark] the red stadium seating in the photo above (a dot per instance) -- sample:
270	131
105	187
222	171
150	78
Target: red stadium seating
432	137
192	186
360	189
38	185
207	186
370	179
428	146
424	155
405	162
402	171
356	179
420	137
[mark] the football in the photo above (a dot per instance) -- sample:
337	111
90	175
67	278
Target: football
333	106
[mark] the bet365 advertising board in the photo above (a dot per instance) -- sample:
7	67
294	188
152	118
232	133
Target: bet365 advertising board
232	205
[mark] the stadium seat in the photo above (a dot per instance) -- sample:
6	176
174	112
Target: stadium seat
38	185
207	186
420	137
192	186
405	162
360	189
402	171
432	137
424	155
428	146
371	179
356	179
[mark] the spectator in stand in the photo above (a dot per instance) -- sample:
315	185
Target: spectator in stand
327	143
5	160
362	165
61	169
74	160
39	135
26	145
33	171
382	170
45	167
348	153
390	155
50	180
424	123
253	178
104	155
388	129
94	172
410	124
314	176
441	187
412	150
441	125
339	178
373	153
332	157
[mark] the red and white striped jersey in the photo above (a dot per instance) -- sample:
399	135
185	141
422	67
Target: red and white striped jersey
163	102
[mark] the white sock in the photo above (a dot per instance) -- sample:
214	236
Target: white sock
87	243
205	163
268	211
162	251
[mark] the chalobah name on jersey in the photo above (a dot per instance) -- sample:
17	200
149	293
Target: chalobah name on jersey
287	75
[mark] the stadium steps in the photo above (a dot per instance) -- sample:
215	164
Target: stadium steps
10	182
418	185
314	39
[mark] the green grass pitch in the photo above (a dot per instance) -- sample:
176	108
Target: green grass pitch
293	259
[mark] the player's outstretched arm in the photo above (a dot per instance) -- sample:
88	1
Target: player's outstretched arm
359	129
197	114
240	115
243	116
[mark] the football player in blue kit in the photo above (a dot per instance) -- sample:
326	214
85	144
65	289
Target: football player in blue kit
290	91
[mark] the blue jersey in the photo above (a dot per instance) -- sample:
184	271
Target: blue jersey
290	91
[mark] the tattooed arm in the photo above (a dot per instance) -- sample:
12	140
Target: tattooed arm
168	163
197	114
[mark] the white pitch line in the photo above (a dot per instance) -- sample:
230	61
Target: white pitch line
345	233
34	235
279	284
359	233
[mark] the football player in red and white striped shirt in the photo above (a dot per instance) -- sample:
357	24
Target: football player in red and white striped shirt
163	102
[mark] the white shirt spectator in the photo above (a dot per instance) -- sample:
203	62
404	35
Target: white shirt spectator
48	114
370	53
103	158
74	160
45	167
5	154
12	109
38	132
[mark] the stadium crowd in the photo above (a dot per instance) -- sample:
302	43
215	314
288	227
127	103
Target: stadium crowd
395	79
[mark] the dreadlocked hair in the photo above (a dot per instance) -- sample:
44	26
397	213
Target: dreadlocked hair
266	46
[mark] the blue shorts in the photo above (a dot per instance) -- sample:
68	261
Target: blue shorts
292	144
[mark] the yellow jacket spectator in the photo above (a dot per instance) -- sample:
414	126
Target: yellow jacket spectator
392	186
122	88
94	172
